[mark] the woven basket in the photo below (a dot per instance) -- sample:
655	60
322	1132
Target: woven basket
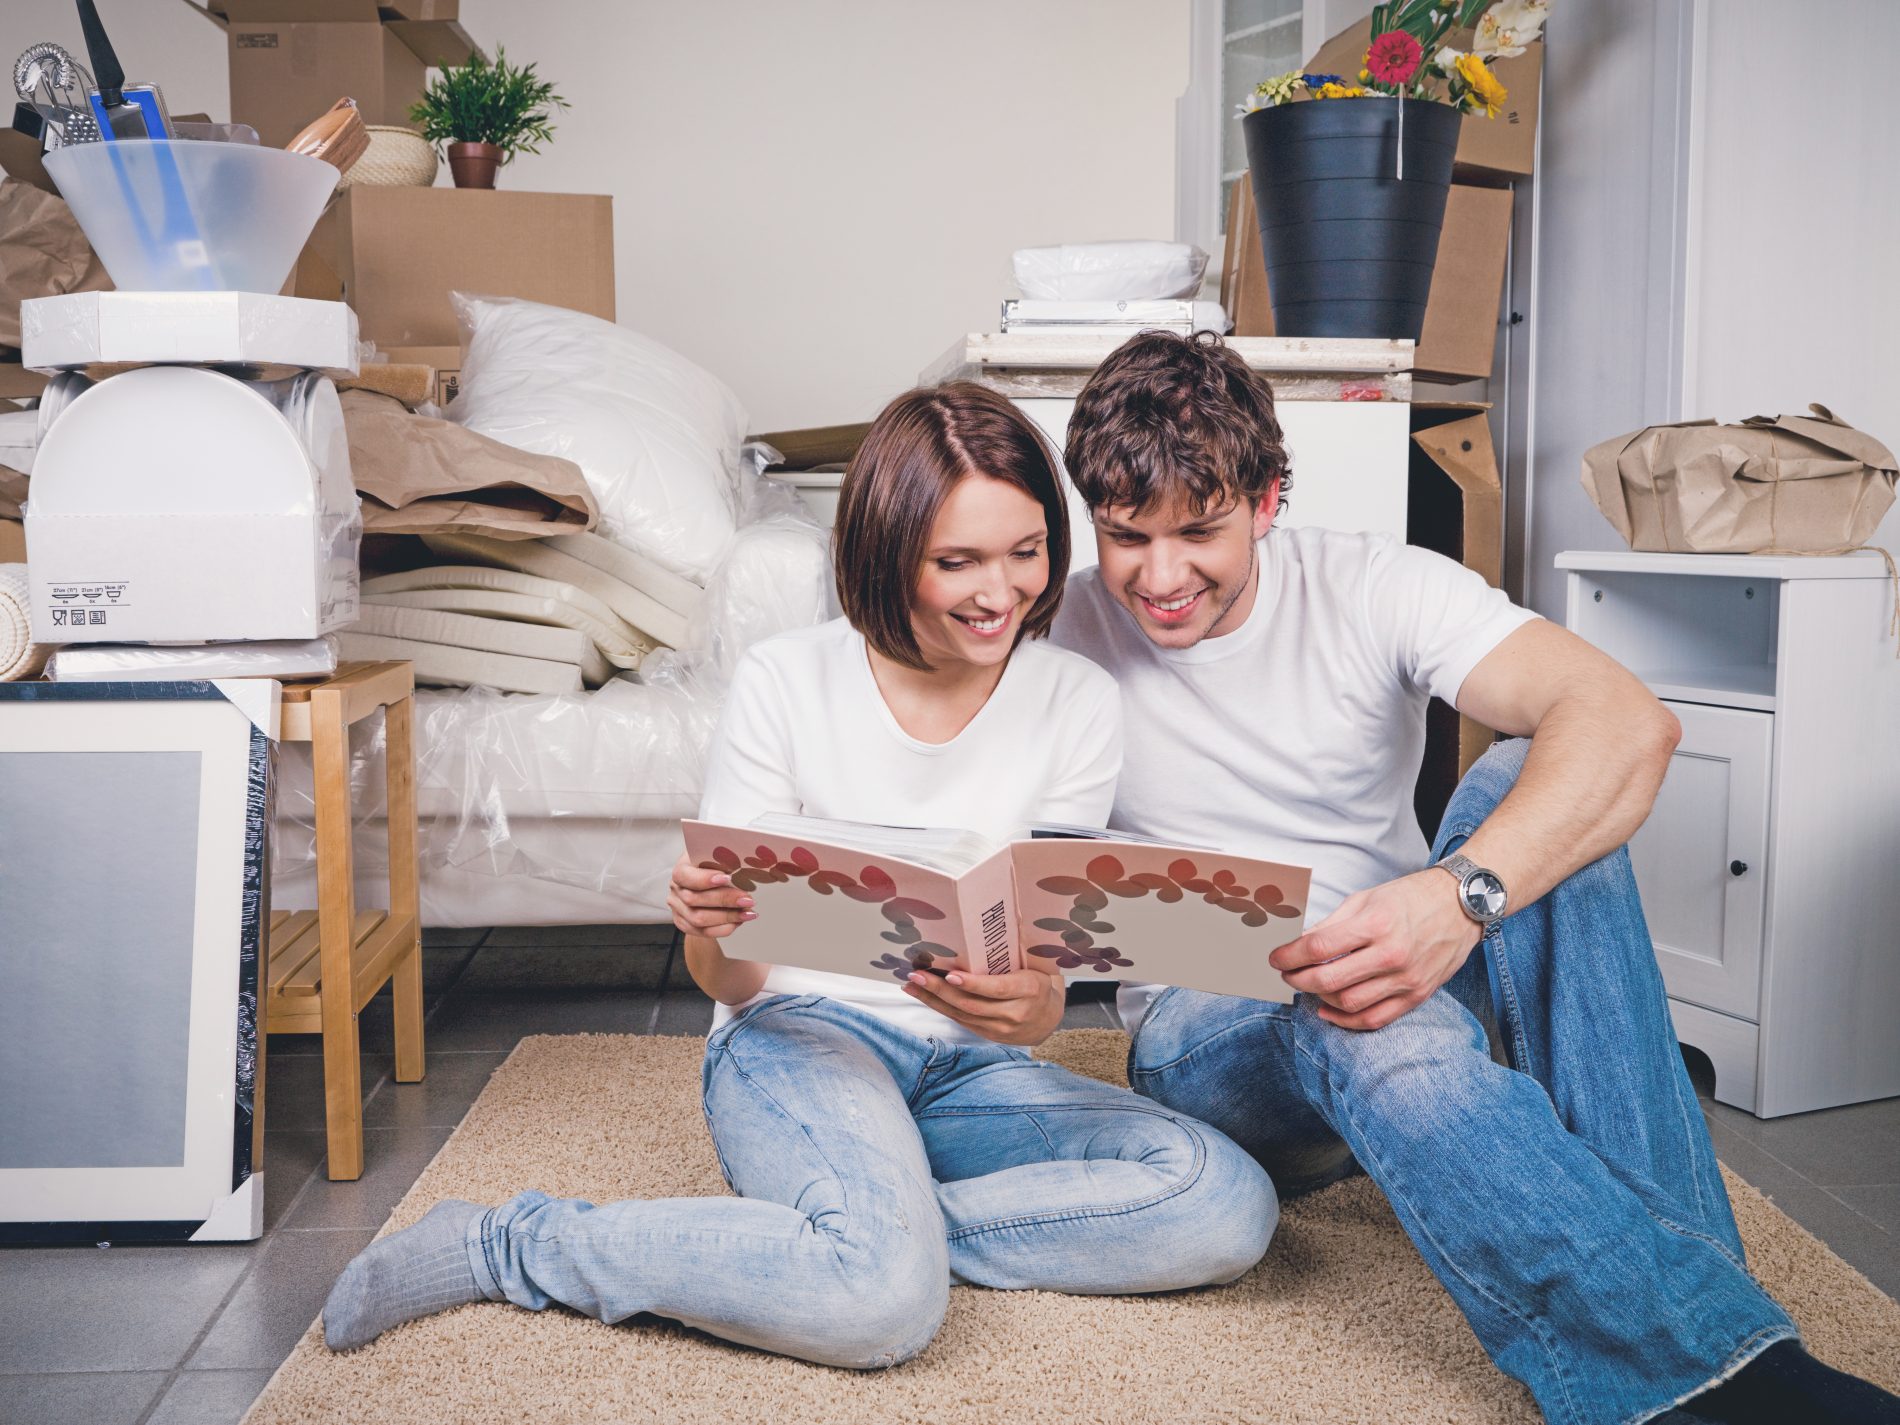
396	158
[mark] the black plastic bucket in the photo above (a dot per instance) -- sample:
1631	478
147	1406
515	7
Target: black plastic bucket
1349	244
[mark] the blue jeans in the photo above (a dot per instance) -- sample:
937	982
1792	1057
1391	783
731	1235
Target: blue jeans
874	1168
1570	1203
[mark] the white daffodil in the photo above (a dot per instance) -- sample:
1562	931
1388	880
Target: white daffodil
1508	26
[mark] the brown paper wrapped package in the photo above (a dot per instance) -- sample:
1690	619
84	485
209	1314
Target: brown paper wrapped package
42	253
425	476
1788	484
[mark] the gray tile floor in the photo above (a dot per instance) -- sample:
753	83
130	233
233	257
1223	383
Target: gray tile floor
189	1335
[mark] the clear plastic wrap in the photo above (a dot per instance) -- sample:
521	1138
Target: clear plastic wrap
1110	271
141	663
656	436
578	793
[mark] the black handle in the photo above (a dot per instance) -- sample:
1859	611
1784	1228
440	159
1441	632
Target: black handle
1738	868
105	64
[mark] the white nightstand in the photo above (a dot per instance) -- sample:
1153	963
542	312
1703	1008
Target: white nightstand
1770	867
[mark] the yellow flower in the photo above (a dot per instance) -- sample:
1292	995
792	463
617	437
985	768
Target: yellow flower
1486	93
1340	91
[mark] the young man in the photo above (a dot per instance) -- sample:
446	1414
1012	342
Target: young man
1274	685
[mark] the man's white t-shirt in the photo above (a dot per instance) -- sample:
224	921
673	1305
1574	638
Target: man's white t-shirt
1297	736
806	730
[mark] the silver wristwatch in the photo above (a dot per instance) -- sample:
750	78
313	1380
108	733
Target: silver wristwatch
1481	893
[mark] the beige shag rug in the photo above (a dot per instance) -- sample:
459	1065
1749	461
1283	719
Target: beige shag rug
1341	1323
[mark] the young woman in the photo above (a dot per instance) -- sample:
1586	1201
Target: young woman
882	1141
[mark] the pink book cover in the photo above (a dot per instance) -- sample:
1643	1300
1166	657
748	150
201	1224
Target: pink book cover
1124	910
827	907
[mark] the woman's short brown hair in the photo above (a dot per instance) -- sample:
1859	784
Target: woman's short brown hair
1171	417
917	449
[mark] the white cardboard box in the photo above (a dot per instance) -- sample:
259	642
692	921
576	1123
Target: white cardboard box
171	504
224	328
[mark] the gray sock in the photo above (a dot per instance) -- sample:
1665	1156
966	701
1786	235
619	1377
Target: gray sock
415	1272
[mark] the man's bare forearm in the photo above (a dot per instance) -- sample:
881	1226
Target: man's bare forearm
727	980
1589	781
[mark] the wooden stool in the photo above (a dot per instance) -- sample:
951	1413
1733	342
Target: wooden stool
325	965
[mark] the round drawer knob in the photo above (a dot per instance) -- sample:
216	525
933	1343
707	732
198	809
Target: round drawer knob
1738	868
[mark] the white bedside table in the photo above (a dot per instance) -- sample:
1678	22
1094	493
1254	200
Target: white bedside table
1770	867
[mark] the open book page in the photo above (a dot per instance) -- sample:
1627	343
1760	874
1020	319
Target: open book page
1128	910
877	902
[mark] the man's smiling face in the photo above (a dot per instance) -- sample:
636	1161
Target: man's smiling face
1183	576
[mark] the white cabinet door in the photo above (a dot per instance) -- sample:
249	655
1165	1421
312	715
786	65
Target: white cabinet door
1700	859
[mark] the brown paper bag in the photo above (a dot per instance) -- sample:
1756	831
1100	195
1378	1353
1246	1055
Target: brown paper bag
425	476
1790	484
42	253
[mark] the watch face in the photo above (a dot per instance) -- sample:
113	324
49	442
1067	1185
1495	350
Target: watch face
1484	895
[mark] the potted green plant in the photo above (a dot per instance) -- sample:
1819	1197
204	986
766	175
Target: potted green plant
484	114
1351	195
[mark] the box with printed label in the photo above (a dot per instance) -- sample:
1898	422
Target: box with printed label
175	538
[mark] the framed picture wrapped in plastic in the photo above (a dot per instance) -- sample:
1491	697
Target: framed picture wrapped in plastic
133	907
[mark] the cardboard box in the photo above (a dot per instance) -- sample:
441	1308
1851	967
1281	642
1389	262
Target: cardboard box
12	542
19	384
291	59
1454	506
1461	316
445	361
1504	147
395	254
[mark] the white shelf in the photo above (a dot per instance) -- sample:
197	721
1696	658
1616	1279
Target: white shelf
1714	687
1867	564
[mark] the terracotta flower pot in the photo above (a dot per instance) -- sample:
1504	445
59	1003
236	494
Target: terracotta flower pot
473	164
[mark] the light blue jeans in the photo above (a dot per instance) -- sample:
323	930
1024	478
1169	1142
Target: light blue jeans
874	1168
1570	1203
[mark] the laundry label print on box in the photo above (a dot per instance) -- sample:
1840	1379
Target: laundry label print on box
87	605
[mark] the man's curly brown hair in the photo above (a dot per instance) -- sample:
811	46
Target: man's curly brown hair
1170	417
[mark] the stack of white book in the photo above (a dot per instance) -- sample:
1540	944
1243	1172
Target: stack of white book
1132	314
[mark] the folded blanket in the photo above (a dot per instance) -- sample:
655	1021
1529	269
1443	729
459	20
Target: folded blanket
420	475
20	657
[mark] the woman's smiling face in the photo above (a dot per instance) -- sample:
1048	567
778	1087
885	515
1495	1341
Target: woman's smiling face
985	565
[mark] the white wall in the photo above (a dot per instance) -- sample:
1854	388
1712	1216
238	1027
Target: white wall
1794	213
813	199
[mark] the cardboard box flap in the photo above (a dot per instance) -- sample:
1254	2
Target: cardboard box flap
437	43
1463	451
292	12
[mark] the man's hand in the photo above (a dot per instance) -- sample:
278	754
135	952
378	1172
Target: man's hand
1383	952
706	902
1022	1007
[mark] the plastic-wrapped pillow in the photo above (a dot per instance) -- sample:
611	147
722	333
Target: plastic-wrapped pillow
656	436
1110	271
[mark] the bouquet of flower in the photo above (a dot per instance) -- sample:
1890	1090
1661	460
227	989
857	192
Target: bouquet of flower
1408	57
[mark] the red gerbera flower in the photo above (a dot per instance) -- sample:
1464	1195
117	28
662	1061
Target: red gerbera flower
1394	57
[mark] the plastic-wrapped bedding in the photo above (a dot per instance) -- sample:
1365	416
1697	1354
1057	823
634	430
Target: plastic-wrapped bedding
579	794
503	593
145	663
487	635
441	665
638	607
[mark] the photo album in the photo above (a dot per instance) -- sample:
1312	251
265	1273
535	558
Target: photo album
883	902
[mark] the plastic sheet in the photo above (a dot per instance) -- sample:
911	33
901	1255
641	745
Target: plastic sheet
656	436
141	663
581	791
1110	271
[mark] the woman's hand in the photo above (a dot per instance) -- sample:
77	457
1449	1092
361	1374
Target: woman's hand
1022	1007
706	902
